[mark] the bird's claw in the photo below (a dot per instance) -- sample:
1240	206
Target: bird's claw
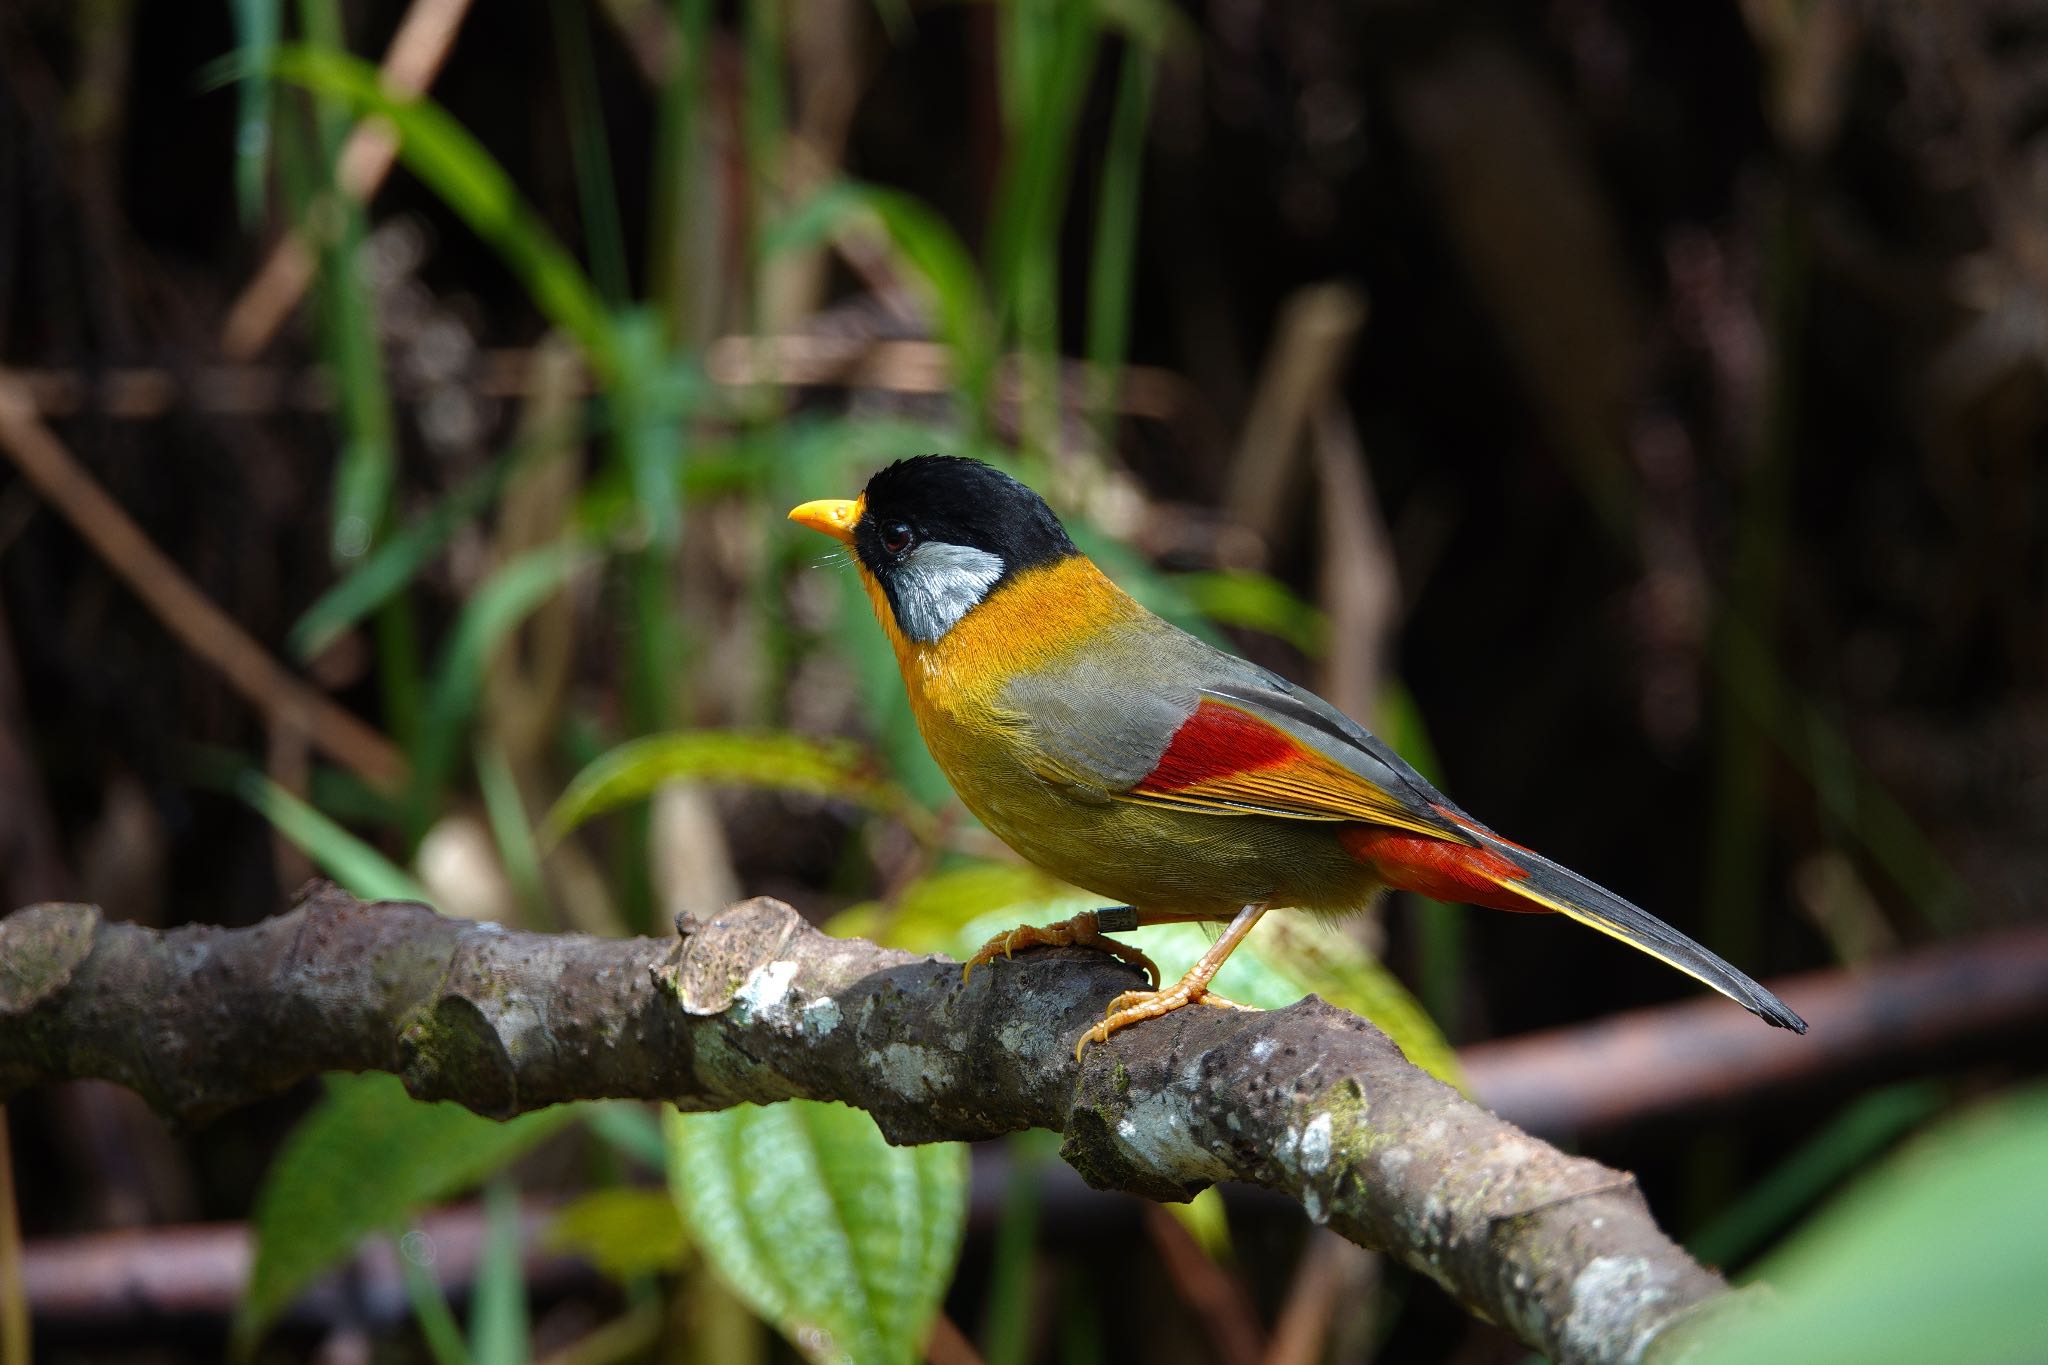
1083	930
1133	1006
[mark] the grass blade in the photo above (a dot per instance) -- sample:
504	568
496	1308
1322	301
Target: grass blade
258	24
497	1317
677	153
590	150
469	180
400	557
430	1310
359	868
932	251
504	600
512	832
1113	263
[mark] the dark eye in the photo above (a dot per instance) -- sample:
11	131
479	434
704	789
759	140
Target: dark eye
896	537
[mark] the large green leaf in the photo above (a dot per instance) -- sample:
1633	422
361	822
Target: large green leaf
634	770
364	1159
1940	1255
845	1243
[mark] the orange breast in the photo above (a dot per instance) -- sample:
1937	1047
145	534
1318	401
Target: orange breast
1029	619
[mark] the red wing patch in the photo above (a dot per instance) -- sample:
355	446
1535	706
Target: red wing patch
1439	868
1215	744
1226	760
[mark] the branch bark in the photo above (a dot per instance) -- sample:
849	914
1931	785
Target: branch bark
755	1005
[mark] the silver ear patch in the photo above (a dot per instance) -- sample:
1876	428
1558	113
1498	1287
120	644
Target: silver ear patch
938	584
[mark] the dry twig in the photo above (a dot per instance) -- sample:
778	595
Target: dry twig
417	50
185	611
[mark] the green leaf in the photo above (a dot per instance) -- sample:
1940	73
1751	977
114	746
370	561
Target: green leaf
1940	1254
469	180
1207	1222
1315	957
1256	601
842	1241
361	1162
624	1232
634	770
359	868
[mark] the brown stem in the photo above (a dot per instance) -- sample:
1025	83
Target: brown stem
189	614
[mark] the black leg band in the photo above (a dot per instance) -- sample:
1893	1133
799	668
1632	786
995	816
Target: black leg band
1116	919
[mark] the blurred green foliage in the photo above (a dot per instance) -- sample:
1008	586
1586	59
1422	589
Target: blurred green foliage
365	1158
1939	1254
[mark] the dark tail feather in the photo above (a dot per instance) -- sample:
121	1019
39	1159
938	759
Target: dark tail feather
1559	888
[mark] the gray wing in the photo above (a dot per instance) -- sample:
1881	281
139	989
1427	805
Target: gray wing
1101	721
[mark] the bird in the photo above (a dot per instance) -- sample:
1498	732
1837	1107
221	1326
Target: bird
1127	757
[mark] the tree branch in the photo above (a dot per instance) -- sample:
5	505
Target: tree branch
756	1005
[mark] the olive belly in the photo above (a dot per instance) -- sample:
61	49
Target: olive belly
1166	859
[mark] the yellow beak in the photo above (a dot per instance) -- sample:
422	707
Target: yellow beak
834	517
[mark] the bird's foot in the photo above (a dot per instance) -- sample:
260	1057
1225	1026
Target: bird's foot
1132	1006
1083	930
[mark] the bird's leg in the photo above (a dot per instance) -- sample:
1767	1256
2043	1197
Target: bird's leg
1087	929
1131	1006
